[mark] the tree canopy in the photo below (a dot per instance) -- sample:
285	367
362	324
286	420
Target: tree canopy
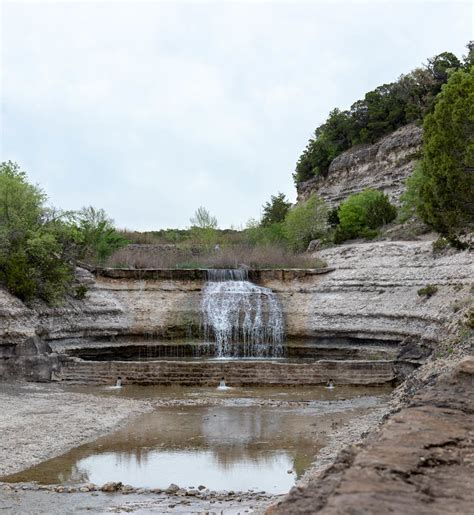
447	168
381	111
275	210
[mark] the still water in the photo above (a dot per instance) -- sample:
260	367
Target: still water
252	438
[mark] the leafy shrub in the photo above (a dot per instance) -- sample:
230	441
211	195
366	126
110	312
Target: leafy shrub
81	291
410	199
306	222
32	242
428	291
440	245
97	235
360	214
40	246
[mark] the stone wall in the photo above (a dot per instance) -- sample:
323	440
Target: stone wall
385	165
236	373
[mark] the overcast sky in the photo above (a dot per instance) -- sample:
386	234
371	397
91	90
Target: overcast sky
151	109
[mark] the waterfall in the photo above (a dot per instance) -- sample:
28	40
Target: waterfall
244	319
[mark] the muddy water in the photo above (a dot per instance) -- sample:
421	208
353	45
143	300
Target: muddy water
238	439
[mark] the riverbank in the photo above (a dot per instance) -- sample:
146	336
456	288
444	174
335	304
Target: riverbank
40	421
33	432
421	461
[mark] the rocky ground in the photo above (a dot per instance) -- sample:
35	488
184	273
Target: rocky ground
421	461
39	421
32	431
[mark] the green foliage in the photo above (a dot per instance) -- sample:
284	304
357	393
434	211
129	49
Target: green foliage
440	245
275	210
446	198
203	219
411	199
97	235
333	217
360	214
306	222
428	291
39	246
204	227
256	234
380	112
31	240
81	291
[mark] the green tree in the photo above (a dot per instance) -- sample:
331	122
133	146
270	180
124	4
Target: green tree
203	219
306	222
275	210
447	202
380	112
204	227
360	214
32	242
97	235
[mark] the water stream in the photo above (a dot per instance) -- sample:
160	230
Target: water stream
237	311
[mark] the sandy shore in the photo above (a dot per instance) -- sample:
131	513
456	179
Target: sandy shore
40	421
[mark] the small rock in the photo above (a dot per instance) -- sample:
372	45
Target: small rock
111	487
172	489
201	487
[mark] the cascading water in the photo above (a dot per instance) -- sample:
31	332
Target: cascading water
244	319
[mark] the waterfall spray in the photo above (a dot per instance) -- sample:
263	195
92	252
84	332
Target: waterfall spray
244	319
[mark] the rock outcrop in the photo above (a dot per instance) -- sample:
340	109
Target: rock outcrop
370	294
384	166
420	462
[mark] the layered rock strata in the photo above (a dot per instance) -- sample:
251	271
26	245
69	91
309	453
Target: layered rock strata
384	166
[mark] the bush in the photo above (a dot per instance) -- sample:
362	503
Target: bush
32	240
97	235
306	222
360	214
411	199
428	291
231	256
39	246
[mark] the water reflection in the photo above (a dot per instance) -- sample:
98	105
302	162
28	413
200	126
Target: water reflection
223	447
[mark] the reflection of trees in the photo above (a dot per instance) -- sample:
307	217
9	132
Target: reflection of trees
232	434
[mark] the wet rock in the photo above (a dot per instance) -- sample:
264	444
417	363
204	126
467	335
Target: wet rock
111	487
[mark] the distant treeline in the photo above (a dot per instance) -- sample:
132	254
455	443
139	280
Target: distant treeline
380	112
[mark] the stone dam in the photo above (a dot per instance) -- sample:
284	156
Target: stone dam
359	321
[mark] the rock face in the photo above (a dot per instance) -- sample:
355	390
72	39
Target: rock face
420	462
369	296
383	166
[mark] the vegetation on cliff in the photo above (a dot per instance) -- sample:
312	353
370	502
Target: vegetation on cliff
380	112
40	245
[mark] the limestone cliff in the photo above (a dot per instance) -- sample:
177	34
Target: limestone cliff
383	166
371	293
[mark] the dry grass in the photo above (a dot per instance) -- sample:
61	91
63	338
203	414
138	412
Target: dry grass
235	256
